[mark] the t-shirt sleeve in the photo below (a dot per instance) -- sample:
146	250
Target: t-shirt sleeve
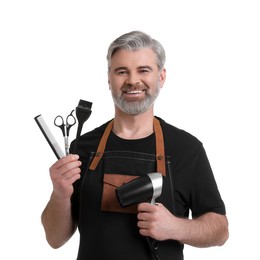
204	193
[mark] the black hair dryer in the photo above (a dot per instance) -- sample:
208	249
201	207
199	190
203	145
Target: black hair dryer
145	188
142	189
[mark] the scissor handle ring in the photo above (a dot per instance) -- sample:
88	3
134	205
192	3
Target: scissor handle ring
70	124
61	120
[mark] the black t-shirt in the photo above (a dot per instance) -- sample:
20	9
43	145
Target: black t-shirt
193	185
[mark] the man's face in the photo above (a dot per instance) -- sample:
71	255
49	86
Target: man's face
134	80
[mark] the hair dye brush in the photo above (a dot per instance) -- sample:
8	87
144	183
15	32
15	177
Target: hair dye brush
83	112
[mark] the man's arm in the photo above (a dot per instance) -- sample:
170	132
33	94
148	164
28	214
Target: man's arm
57	222
57	217
210	229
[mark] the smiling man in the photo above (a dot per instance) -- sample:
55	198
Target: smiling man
135	80
134	143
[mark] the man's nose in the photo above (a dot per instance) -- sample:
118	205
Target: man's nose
133	79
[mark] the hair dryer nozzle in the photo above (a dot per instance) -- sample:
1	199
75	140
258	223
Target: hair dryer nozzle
142	189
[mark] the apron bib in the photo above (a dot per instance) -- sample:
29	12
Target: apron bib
124	166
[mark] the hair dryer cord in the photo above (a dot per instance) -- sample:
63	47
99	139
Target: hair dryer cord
152	248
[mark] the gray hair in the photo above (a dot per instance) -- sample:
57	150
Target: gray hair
137	40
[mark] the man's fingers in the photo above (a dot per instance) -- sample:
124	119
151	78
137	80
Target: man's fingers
64	160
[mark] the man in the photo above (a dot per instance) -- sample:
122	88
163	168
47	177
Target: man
135	143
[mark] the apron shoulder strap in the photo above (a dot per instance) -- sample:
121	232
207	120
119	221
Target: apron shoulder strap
159	141
101	147
160	156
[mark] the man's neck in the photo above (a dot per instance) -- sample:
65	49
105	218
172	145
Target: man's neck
133	126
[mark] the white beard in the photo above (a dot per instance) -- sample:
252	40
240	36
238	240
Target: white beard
136	107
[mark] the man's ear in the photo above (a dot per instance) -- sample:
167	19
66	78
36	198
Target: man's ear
108	80
162	77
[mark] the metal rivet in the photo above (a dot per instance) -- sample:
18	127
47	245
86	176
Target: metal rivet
159	157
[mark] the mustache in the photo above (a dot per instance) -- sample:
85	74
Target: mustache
136	87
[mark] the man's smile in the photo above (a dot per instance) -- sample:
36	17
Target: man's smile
133	92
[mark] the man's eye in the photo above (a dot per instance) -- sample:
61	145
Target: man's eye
144	71
120	72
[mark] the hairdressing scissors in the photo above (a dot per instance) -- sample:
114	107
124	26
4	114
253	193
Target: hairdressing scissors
65	127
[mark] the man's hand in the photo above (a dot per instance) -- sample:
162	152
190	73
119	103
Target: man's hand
64	173
155	221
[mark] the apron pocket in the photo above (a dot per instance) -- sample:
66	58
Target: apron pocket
109	199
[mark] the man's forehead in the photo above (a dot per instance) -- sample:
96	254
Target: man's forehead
142	57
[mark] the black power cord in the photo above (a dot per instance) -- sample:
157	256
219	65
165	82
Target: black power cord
153	245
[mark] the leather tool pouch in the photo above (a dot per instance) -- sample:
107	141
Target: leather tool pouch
109	199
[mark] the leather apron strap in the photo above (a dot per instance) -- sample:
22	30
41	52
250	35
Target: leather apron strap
101	146
159	141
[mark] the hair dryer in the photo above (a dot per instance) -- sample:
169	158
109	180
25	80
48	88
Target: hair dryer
142	189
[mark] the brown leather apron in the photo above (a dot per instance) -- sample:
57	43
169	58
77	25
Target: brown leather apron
112	181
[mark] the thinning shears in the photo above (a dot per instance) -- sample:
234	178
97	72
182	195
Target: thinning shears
65	127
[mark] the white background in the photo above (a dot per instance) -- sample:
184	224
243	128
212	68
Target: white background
52	53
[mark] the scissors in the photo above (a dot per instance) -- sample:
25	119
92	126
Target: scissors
65	128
